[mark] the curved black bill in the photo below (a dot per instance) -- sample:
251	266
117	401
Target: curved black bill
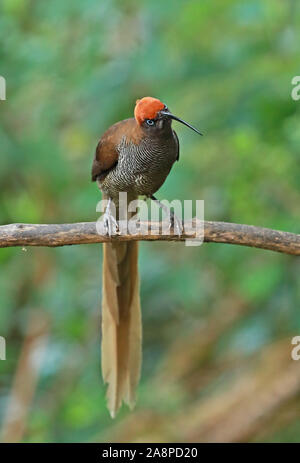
167	113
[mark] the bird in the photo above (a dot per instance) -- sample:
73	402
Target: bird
134	156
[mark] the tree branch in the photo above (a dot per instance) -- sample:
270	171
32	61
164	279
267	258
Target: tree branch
86	233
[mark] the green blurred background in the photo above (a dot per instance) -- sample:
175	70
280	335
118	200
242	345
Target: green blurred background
218	319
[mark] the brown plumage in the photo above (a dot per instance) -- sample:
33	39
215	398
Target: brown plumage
133	156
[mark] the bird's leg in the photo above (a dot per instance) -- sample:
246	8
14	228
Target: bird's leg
175	222
109	221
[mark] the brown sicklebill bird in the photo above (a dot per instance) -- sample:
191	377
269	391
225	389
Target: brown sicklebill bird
133	156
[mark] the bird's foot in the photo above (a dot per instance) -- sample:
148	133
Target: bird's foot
110	224
176	224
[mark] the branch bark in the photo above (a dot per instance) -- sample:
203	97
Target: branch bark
86	233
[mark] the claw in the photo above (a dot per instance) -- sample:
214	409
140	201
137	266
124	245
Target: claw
110	224
176	225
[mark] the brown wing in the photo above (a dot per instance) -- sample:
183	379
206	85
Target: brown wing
106	157
177	143
107	154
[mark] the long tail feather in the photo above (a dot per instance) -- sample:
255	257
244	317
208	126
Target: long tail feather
121	323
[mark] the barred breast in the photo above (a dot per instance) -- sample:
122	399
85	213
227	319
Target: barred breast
141	169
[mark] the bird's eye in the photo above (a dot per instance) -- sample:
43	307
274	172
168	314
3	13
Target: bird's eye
150	122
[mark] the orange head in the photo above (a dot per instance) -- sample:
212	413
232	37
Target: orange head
152	113
147	108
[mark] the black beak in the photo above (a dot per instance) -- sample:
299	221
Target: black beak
167	113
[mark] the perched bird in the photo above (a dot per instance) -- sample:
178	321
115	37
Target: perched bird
133	156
